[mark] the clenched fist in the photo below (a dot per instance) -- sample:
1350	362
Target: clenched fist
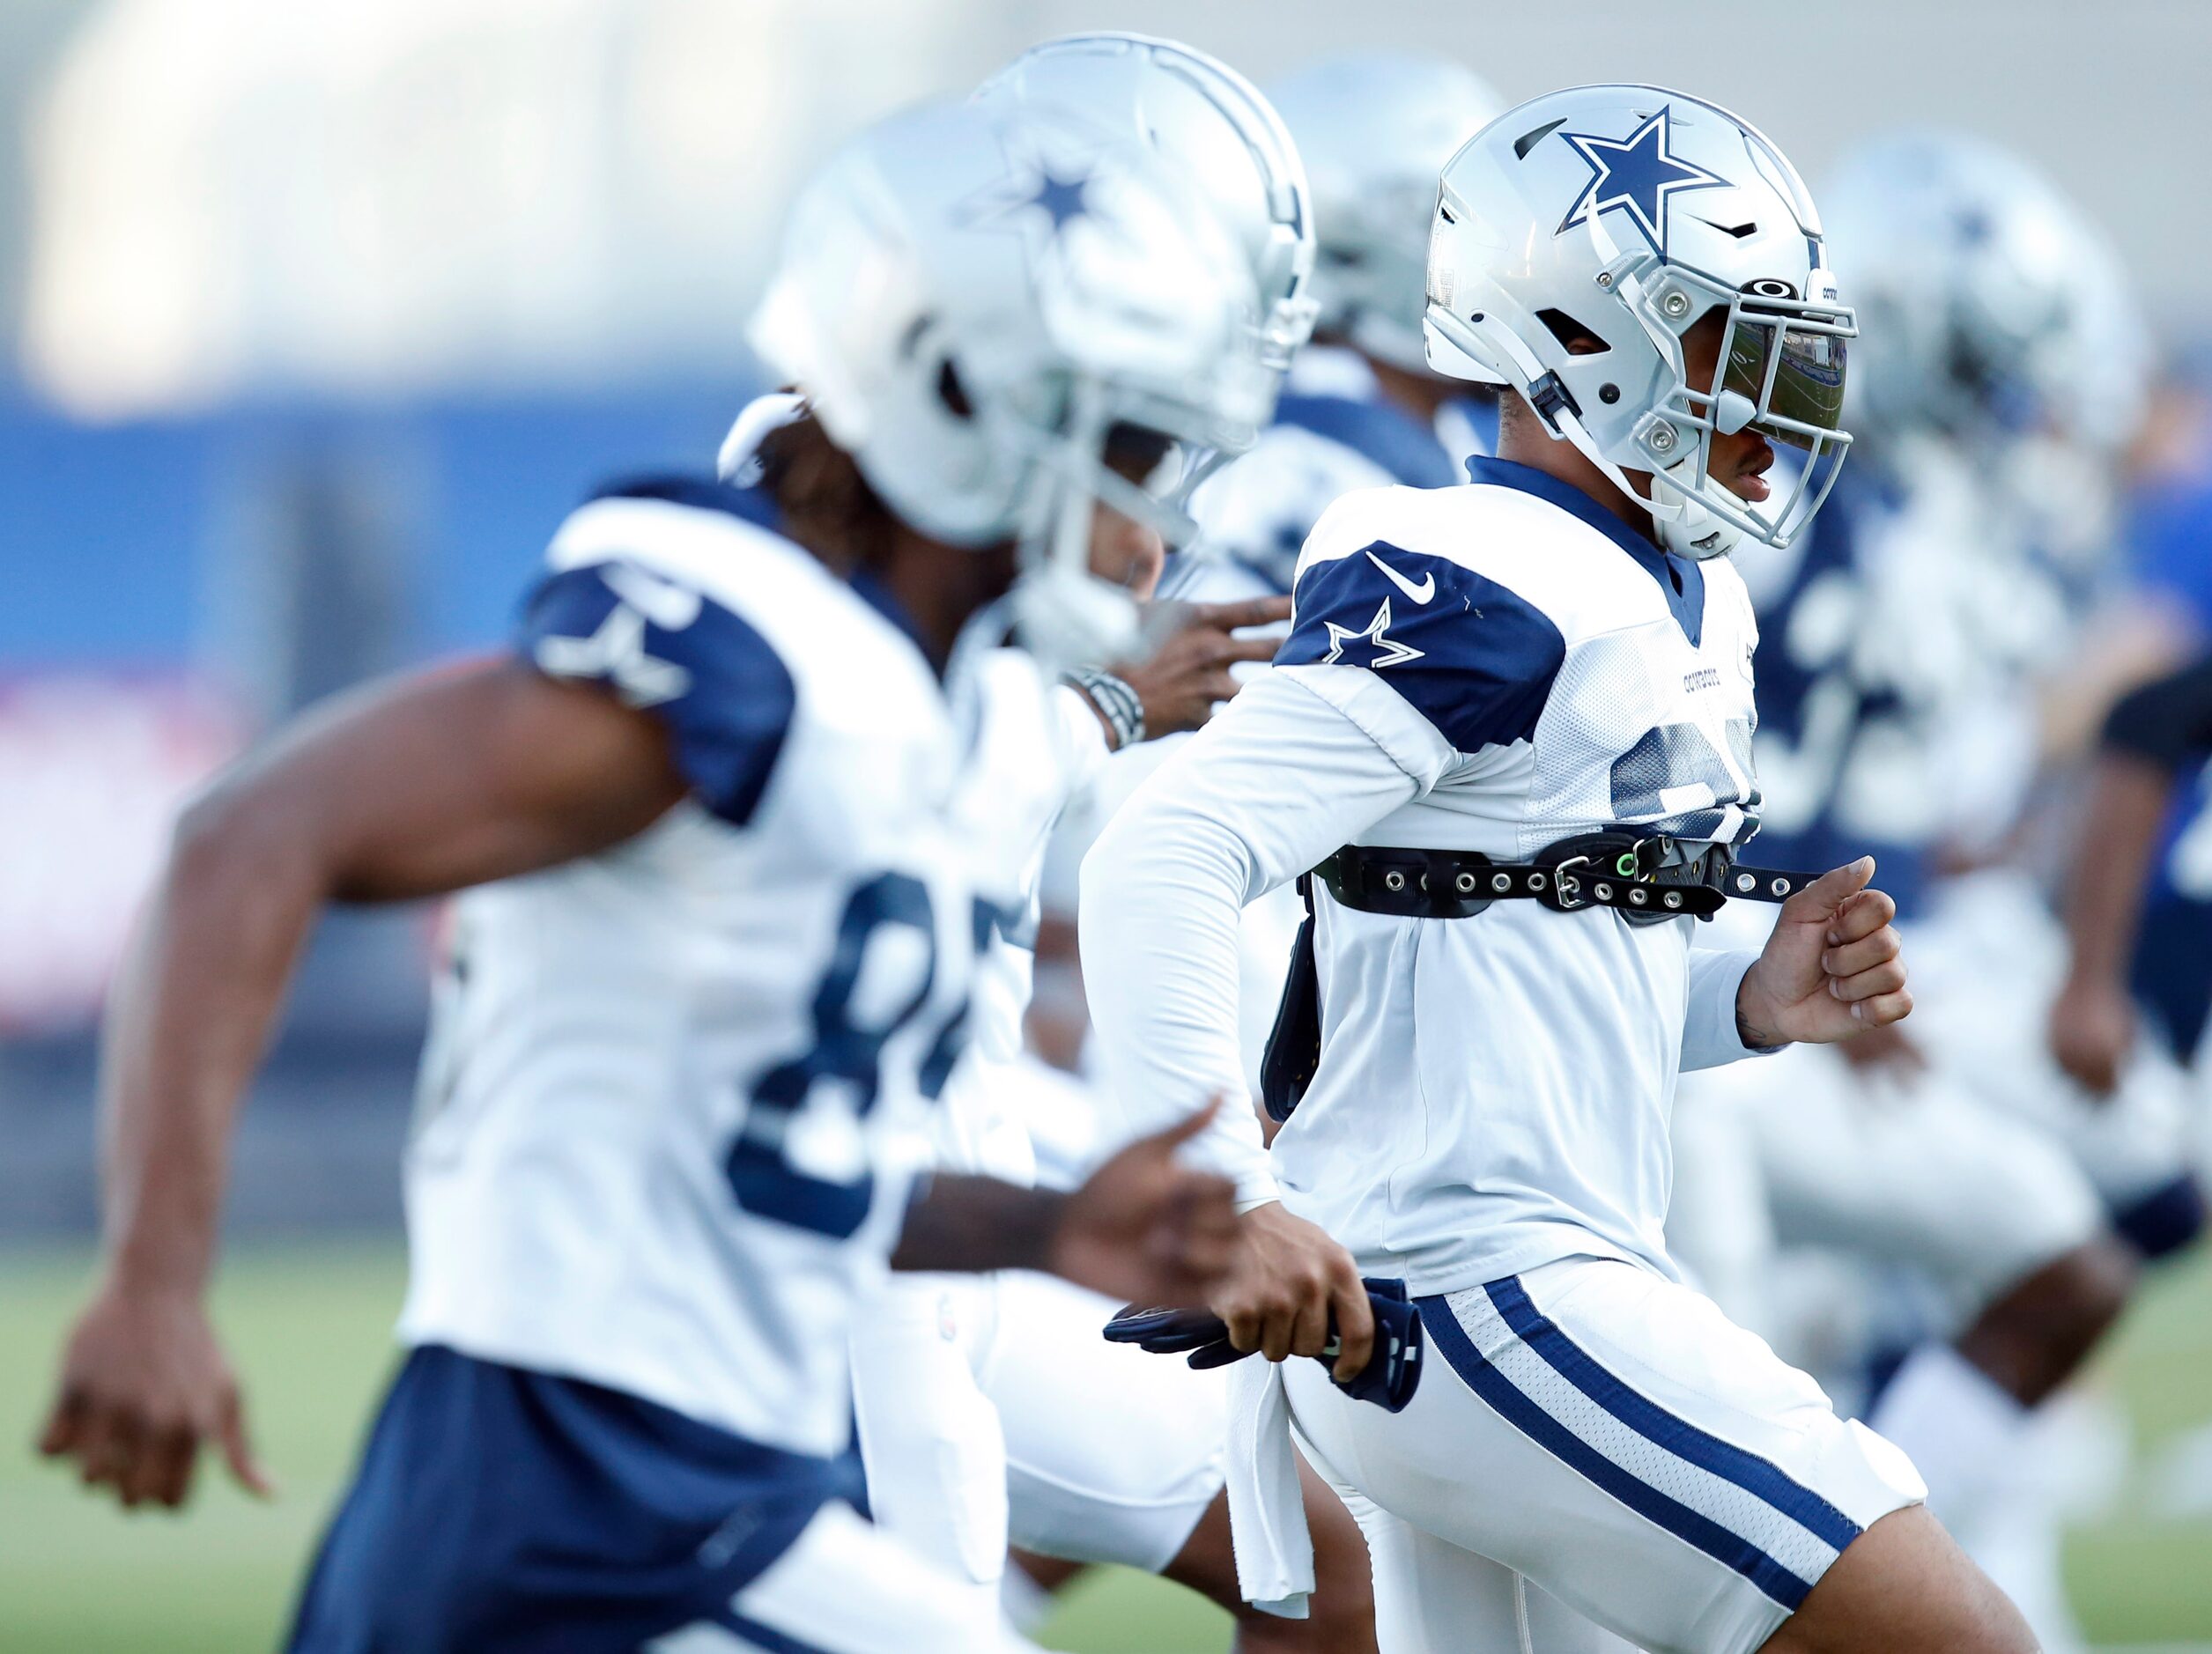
1834	967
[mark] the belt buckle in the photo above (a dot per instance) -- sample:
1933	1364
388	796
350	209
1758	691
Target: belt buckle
1643	861
1566	890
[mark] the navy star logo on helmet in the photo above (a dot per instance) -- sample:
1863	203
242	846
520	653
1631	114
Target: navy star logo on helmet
1638	173
1061	198
1038	194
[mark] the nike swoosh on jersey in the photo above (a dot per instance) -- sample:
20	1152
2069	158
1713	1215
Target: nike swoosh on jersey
666	604
1420	594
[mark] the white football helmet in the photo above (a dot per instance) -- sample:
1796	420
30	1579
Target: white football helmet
976	303
1212	125
2109	360
1374	129
1994	307
1627	214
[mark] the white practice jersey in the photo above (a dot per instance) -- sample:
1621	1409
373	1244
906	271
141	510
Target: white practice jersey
1037	745
675	1092
1491	667
1034	745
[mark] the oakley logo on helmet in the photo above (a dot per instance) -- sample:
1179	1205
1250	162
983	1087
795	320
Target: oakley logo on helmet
1637	172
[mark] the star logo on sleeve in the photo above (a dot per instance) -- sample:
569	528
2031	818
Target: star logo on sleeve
1638	174
1369	647
615	653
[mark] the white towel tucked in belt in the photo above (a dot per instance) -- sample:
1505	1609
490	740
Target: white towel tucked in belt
1267	1507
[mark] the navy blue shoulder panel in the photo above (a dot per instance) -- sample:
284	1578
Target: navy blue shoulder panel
725	696
1681	580
702	493
1377	429
1474	658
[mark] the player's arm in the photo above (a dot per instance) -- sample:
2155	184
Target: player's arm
1276	783
405	789
1190	673
1143	1227
2148	738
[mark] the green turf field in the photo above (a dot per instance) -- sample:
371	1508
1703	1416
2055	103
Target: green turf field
309	1326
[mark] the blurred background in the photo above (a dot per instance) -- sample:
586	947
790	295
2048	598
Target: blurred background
317	315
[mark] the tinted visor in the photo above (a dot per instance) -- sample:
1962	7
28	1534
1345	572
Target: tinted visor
1797	387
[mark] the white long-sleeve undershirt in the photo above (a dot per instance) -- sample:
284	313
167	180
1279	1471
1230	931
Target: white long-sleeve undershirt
1303	762
1275	783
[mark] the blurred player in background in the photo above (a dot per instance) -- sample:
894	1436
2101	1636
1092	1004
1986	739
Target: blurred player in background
1479	680
2138	890
2138	909
2140	933
989	1408
720	818
1901	644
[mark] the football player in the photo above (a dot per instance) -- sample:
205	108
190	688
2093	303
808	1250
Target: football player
2139	917
712	965
989	1409
2141	879
1545	674
1360	407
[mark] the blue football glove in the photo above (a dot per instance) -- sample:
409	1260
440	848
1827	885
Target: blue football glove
1388	1380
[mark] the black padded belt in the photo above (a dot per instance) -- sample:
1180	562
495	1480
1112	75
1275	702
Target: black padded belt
1647	877
1643	874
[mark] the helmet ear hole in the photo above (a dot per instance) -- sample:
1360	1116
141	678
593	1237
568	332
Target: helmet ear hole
952	394
1573	335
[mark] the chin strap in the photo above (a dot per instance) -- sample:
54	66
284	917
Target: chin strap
1069	620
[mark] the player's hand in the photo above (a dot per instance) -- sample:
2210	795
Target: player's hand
1145	1229
143	1384
1833	967
2092	1029
1287	1278
1188	675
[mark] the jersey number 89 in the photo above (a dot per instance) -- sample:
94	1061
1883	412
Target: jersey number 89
845	1051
